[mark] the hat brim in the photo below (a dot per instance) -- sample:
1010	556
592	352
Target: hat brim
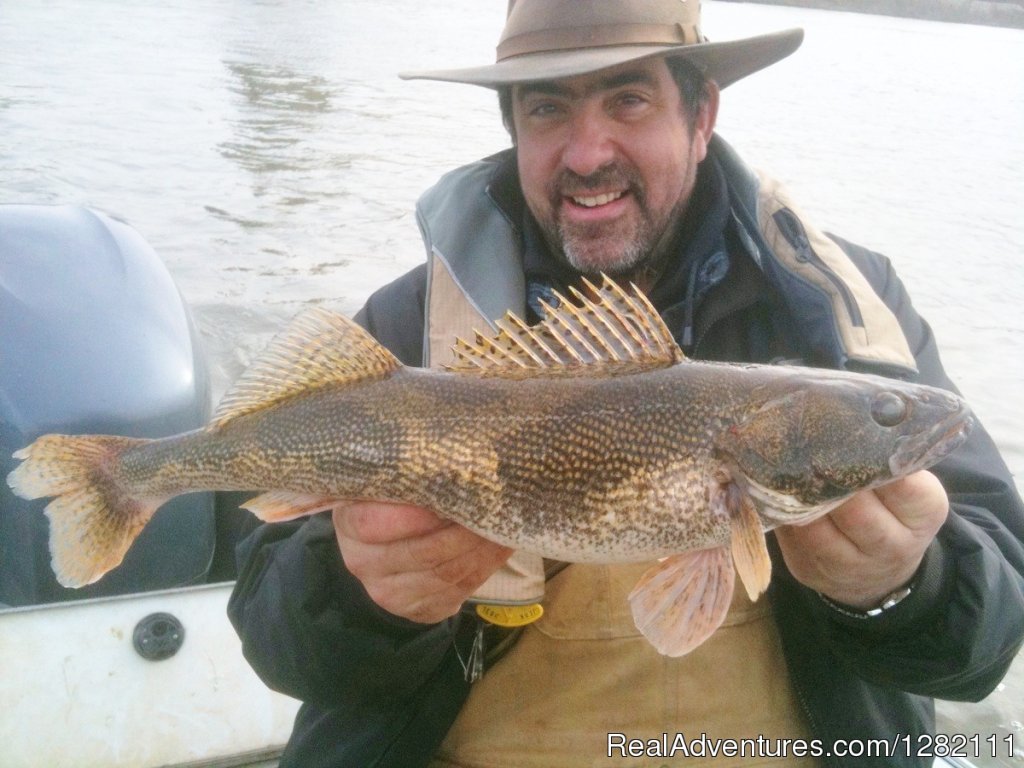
724	62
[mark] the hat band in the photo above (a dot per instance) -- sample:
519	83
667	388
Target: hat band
567	38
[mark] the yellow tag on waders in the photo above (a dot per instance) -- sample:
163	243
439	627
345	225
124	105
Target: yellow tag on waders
510	615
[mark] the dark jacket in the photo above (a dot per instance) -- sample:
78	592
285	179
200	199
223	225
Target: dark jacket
382	691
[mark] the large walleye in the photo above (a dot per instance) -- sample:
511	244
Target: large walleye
587	438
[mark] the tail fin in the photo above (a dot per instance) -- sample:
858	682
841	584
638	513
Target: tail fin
93	519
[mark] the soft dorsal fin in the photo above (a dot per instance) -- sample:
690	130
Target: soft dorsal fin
320	348
614	332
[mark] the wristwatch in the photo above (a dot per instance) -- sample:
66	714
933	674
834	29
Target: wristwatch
889	601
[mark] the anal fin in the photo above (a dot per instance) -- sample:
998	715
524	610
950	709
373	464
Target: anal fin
679	603
279	506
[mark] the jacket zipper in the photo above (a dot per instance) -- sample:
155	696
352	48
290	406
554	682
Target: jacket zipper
791	228
827	759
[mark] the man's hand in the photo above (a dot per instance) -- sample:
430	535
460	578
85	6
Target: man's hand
871	545
413	563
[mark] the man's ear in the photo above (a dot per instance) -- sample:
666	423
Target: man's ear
704	125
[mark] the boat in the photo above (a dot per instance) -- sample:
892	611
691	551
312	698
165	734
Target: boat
141	669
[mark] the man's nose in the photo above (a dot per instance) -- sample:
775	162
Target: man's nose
589	145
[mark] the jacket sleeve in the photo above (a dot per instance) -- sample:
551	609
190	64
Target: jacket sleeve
957	633
307	626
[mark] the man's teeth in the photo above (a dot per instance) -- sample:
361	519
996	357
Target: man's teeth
591	202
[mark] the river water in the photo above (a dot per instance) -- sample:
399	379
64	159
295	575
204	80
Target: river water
268	152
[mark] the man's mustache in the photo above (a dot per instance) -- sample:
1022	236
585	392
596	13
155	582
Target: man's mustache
613	176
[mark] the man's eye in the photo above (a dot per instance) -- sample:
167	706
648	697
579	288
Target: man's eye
544	109
630	100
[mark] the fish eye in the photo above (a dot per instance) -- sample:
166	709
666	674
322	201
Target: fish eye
889	409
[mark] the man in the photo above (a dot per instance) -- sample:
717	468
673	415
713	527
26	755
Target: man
906	592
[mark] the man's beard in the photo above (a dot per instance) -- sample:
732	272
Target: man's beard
591	253
616	248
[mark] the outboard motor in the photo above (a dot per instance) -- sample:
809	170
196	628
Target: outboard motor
94	338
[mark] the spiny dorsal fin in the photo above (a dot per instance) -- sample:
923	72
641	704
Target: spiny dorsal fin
320	348
614	332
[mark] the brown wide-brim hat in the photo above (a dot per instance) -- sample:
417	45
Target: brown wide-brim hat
553	39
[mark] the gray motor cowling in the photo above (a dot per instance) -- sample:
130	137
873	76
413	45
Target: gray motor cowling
94	338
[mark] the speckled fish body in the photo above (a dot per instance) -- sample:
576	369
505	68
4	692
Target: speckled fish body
581	469
588	438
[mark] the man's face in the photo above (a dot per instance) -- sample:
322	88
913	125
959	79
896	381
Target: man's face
607	161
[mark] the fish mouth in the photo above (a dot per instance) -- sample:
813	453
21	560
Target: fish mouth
924	449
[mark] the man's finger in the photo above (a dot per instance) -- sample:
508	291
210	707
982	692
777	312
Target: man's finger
889	516
918	501
866	523
432	595
379	523
427	551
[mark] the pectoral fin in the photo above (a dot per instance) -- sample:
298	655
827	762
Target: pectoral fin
749	552
279	506
680	602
